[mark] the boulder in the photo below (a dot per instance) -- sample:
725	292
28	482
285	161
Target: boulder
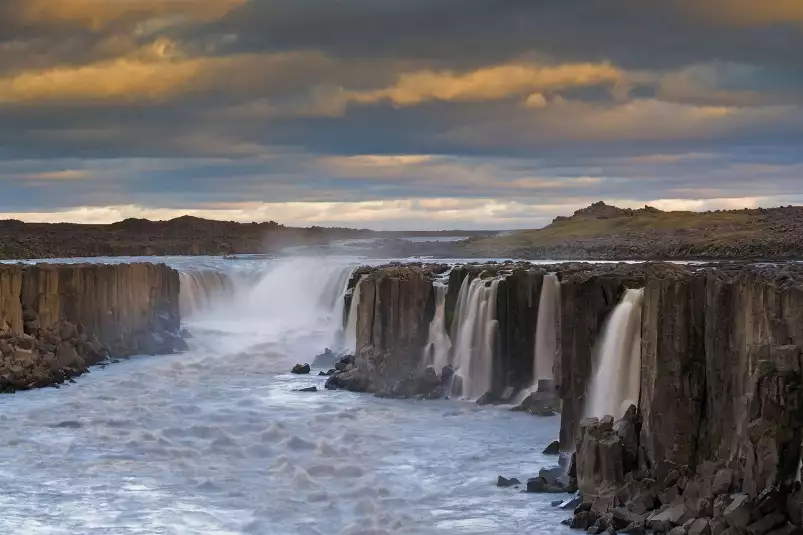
675	515
325	360
768	523
552	449
722	481
503	482
301	369
739	512
699	526
308	389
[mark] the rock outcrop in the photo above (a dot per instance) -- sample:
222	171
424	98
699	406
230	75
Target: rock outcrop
56	320
720	411
713	441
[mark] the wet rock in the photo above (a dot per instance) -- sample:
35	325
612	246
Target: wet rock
570	503
447	375
788	529
738	513
699	526
301	369
623	517
675	515
355	379
308	389
512	482
541	485
583	520
767	523
722	481
325	360
678	530
552	449
489	398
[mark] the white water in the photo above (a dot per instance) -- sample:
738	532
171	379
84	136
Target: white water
615	385
439	345
547	329
475	335
350	344
216	440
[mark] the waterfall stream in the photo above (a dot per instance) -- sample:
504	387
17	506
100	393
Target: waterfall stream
350	336
475	335
439	345
616	381
547	329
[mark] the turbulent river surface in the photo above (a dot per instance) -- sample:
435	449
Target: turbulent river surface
218	441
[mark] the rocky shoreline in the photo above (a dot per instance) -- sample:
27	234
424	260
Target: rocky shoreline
712	444
58	320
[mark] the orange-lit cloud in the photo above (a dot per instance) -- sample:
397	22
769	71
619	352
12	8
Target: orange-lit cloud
99	14
490	83
155	74
66	174
747	12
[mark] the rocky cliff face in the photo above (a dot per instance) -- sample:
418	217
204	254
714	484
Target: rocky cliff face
715	437
55	320
393	315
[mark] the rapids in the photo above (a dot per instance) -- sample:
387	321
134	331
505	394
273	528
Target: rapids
217	441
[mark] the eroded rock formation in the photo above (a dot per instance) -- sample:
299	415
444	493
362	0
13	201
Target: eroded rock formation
56	320
714	441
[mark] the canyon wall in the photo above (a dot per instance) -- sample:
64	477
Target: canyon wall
721	396
395	309
55	320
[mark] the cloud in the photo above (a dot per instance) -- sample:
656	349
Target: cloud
99	14
490	83
160	77
747	12
484	109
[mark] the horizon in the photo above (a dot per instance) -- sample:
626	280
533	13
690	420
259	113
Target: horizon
53	219
386	116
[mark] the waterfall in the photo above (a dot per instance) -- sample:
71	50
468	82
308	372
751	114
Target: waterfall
436	352
547	329
350	336
201	289
616	382
475	334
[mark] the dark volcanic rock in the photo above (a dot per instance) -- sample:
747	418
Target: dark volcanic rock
301	369
552	449
308	389
512	482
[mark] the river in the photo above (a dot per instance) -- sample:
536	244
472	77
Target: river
218	441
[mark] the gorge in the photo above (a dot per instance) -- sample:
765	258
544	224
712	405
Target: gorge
674	390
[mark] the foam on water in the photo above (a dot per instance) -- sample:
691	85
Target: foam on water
217	441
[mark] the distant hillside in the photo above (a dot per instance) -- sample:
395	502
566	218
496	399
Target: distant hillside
605	232
182	236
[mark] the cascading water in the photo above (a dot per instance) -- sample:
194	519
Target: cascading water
475	334
547	329
293	298
436	352
201	289
350	335
616	382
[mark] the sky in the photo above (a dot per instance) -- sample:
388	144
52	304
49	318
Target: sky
396	114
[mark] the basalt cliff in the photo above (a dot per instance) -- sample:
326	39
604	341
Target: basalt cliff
56	320
708	439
